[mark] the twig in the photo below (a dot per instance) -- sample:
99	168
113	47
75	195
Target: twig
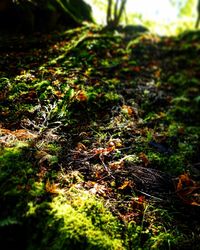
149	195
106	168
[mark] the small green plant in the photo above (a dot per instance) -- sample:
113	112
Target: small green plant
154	231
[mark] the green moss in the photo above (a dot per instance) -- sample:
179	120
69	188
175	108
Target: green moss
75	220
154	232
111	96
16	174
53	148
14	167
4	84
37	189
41	86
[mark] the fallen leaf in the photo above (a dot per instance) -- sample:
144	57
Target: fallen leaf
136	68
116	165
103	151
80	146
127	183
98	174
141	199
81	96
128	110
52	188
144	158
184	181
58	93
187	190
20	134
23	134
157	73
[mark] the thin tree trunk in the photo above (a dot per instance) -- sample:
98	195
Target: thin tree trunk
197	22
114	12
109	12
116	9
120	12
198	18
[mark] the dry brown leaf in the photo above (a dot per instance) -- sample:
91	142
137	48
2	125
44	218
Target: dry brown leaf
136	68
58	93
127	183
81	96
80	146
128	110
187	190
103	151
52	188
23	134
116	165
157	73
144	158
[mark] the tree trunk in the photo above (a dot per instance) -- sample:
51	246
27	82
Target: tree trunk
198	17
114	13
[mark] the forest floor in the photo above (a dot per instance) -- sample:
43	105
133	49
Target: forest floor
99	141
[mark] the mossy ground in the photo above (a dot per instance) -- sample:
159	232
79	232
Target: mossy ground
80	112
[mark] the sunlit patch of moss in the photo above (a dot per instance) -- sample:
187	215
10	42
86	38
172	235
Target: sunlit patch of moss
17	89
111	96
69	179
37	188
27	107
75	220
53	148
41	86
154	158
132	159
25	76
174	128
180	100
